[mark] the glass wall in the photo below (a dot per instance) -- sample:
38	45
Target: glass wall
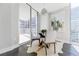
75	23
27	23
34	23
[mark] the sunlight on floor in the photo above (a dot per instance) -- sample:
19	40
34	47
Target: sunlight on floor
24	38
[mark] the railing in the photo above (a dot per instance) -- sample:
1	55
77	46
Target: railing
75	36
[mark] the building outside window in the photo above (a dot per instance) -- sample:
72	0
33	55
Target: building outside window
75	24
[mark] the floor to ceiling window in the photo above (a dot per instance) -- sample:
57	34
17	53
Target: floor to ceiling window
75	23
34	23
24	23
28	18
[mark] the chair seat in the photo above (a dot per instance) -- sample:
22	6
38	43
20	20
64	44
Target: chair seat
35	38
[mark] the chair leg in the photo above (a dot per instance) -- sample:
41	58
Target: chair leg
46	50
54	47
39	41
31	42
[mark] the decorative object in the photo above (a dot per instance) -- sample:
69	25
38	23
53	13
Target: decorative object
56	24
43	11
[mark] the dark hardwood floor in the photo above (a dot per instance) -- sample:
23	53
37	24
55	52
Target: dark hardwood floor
20	51
68	50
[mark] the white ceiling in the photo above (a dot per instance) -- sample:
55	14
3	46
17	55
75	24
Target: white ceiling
50	7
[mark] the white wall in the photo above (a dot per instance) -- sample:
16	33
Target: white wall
14	23
8	25
44	21
63	15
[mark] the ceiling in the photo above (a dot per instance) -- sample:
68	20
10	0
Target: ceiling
50	7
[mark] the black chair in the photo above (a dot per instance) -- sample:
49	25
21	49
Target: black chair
41	38
34	39
38	38
41	35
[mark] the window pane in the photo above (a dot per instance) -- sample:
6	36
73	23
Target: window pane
34	23
75	24
24	22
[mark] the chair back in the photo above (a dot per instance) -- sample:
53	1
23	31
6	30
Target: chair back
41	35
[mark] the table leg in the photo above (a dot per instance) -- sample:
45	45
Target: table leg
31	43
46	50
